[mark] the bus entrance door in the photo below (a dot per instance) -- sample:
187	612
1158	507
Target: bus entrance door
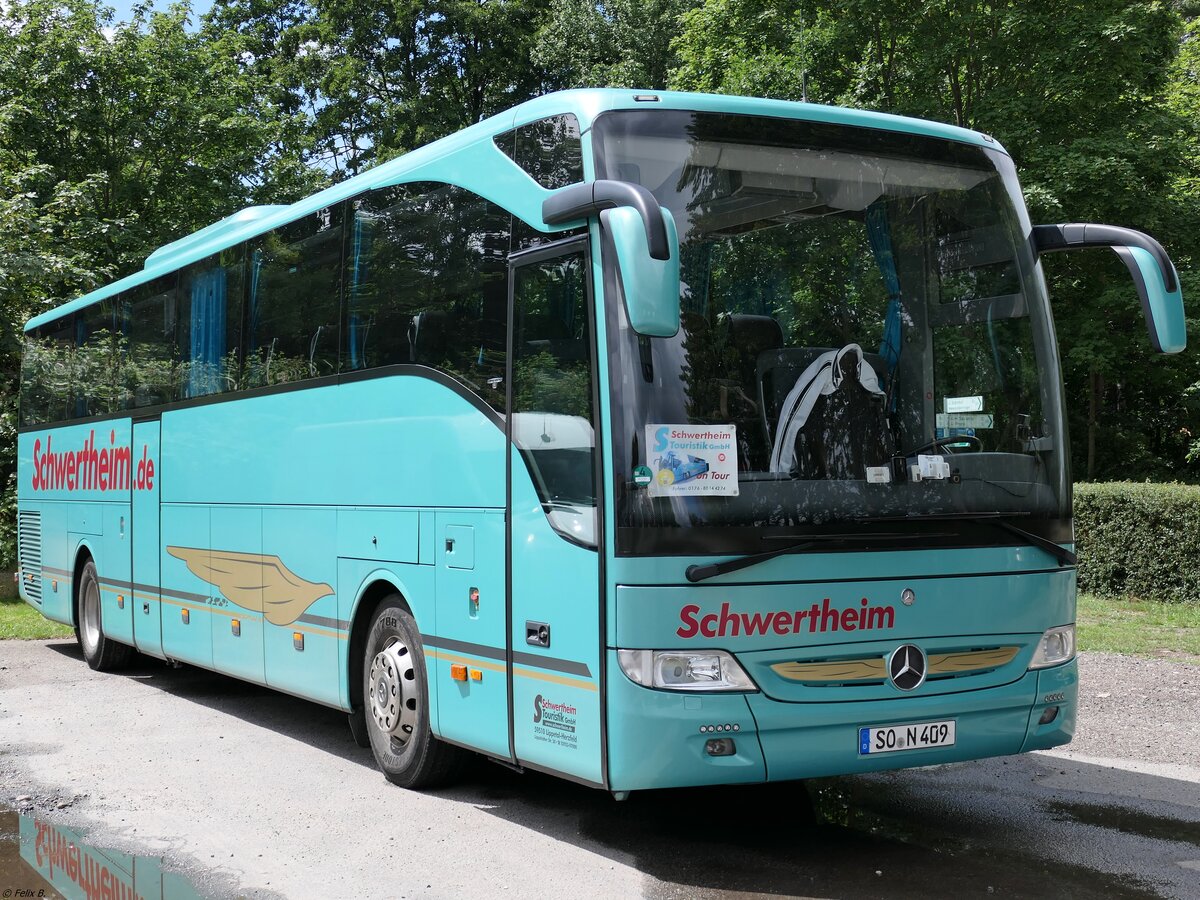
144	523
554	563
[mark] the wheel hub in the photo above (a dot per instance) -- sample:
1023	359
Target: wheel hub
91	615
393	691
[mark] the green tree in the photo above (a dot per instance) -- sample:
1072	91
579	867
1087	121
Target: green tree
1088	98
625	43
375	81
115	139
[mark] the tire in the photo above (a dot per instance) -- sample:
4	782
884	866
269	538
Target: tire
101	653
396	703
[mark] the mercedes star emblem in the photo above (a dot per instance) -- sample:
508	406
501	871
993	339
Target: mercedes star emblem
906	667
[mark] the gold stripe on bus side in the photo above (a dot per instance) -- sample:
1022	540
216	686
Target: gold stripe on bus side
309	629
517	670
239	613
555	679
490	665
202	607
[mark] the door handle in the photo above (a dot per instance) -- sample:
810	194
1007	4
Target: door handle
537	633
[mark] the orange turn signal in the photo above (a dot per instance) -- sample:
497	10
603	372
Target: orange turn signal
476	675
457	672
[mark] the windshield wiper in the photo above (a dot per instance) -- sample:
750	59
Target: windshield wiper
700	573
1062	555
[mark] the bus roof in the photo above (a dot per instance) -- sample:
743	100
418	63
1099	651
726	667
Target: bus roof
460	157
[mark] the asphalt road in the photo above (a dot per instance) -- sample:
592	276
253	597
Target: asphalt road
252	792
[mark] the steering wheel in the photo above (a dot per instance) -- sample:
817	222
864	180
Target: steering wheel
976	444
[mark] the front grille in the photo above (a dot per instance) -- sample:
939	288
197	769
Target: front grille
872	670
29	552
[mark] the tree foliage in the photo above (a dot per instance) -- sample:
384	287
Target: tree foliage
1097	102
115	139
119	137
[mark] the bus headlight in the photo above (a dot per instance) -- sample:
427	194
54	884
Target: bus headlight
1057	646
682	670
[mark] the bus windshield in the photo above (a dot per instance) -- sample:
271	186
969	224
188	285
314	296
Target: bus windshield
864	333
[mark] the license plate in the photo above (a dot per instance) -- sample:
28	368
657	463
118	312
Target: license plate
890	738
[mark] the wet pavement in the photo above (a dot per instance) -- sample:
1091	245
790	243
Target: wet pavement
982	829
43	859
275	799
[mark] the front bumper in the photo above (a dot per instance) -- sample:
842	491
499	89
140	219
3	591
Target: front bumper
656	738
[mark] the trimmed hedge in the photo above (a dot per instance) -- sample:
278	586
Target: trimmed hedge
1139	540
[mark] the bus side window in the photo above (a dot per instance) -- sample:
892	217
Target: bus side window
427	284
553	422
48	373
292	304
210	310
97	362
549	150
148	336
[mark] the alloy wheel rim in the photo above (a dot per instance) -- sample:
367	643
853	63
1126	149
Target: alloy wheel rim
392	688
91	615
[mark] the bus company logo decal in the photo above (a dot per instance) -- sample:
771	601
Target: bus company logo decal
90	468
254	581
555	723
820	617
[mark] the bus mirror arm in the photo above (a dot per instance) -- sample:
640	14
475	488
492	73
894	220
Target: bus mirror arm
1154	275
1076	236
580	201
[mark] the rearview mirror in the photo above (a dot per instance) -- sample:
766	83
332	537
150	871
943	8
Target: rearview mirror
1154	274
651	286
645	240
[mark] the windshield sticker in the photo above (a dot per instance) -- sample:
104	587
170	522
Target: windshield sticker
965	420
964	404
687	460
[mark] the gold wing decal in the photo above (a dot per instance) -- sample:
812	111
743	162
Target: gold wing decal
254	581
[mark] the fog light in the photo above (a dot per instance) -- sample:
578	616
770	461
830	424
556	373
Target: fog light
720	747
1048	715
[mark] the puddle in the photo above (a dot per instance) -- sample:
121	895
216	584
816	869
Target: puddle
831	838
41	859
1130	821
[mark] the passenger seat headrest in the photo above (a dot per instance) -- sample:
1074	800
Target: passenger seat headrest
754	334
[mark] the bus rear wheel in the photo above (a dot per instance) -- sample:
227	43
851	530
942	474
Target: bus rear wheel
396	703
101	653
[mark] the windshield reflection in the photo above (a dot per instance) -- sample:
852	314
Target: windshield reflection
860	308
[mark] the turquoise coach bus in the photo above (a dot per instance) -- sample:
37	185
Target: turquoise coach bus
645	439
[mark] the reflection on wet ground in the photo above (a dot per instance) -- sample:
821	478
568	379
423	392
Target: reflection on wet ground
45	860
837	837
1031	826
1130	821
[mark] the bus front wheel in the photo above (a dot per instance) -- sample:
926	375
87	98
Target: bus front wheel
101	653
396	703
